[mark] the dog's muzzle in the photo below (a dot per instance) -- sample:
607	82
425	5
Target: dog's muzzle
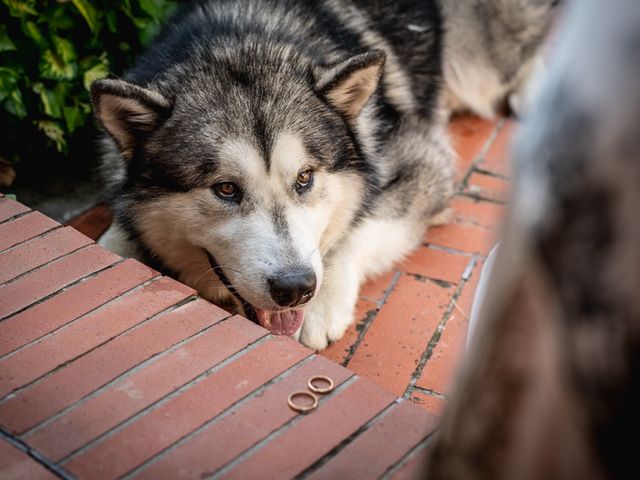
249	311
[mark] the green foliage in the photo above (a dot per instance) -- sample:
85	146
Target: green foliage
50	52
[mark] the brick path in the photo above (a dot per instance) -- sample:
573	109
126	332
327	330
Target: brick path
108	369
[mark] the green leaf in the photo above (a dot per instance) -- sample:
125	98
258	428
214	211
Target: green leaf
59	17
51	104
98	71
88	12
32	31
85	107
112	21
74	117
5	42
60	92
54	131
15	105
21	8
53	67
155	8
126	8
147	33
140	23
8	81
64	48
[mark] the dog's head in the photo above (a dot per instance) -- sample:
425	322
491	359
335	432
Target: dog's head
241	177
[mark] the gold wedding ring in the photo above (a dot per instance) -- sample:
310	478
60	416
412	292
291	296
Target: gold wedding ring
320	378
302	408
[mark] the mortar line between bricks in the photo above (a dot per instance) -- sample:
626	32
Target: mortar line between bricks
247	453
16	216
36	456
490	173
73	320
218	418
434	281
435	338
38	236
431	393
163	400
63	288
123	376
166	310
371	318
480	198
317	465
49	262
441	248
413	452
481	154
70	324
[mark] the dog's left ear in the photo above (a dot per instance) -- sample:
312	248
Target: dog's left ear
349	84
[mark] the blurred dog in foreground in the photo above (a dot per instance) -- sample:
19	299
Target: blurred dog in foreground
551	385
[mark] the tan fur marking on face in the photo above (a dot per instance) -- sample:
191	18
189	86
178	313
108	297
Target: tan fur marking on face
288	155
241	159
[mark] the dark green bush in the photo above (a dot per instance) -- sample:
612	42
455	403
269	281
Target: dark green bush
50	52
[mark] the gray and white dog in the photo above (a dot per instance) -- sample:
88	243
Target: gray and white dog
273	154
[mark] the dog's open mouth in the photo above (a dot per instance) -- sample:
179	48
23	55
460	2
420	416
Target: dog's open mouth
284	322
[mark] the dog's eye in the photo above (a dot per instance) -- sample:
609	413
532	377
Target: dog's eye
228	191
304	180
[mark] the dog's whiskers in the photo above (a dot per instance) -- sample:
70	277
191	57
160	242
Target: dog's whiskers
213	270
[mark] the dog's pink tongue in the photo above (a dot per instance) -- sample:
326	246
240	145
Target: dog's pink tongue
281	323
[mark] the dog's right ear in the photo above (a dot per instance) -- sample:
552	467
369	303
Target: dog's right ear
129	113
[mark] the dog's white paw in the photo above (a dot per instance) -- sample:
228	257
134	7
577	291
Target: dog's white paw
324	324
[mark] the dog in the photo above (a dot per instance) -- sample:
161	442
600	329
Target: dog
274	154
551	383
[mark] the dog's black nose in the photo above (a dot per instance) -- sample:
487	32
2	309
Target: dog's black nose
293	288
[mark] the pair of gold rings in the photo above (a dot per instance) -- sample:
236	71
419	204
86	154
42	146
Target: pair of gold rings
312	384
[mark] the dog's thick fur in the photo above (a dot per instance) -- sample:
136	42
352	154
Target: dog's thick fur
236	100
492	58
551	386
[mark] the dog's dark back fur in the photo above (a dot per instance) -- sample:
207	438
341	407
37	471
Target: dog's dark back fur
552	385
